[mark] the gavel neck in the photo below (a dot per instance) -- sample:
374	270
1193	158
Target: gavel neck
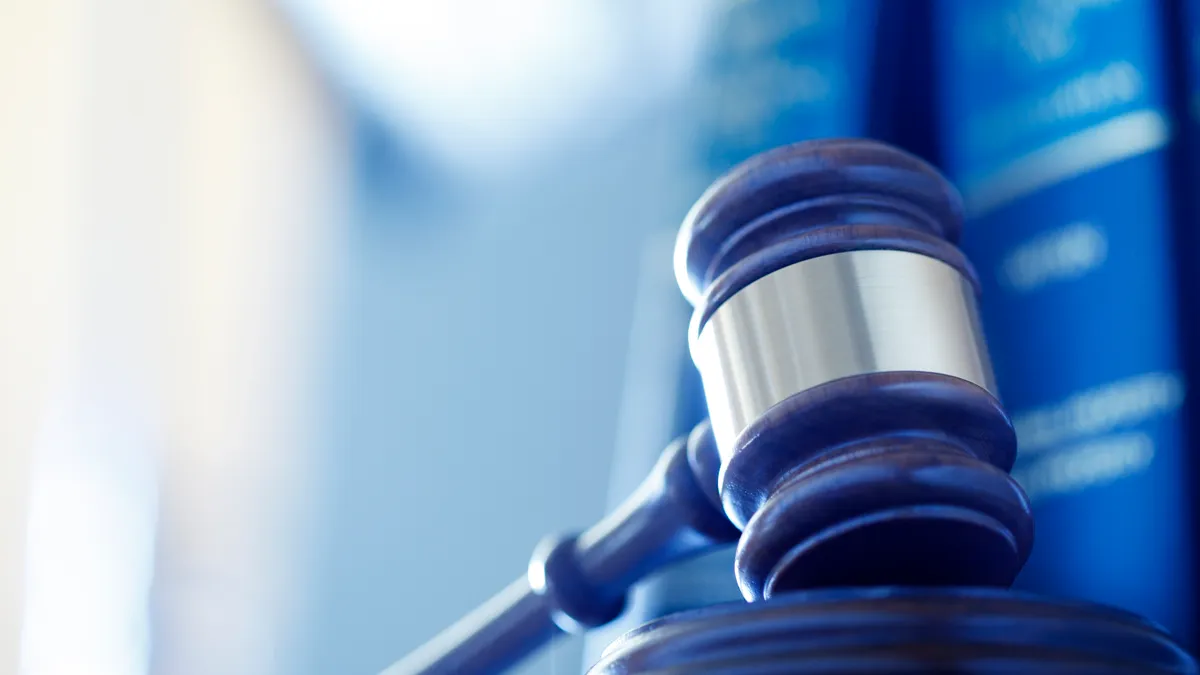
672	516
579	582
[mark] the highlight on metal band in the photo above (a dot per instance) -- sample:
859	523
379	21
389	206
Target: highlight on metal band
832	317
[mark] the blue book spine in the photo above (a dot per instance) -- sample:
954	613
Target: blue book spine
1189	18
1055	126
781	71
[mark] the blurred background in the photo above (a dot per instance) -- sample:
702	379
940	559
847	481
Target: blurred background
316	316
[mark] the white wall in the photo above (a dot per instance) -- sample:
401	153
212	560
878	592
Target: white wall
173	179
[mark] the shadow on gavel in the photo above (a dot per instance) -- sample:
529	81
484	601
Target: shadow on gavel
856	452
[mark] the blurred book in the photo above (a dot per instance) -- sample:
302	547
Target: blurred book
1055	126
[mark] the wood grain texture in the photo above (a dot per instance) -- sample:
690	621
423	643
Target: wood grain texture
958	630
909	467
784	191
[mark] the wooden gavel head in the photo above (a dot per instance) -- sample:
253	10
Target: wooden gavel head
857	441
852	404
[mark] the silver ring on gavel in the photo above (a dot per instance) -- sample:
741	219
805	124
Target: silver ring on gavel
833	317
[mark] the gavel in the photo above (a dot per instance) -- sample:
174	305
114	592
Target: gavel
856	451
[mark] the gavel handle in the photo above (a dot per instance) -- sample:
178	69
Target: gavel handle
576	583
497	634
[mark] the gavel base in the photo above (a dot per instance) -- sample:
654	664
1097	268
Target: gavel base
898	630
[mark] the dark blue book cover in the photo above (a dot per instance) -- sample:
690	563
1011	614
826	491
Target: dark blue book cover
779	71
1055	125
